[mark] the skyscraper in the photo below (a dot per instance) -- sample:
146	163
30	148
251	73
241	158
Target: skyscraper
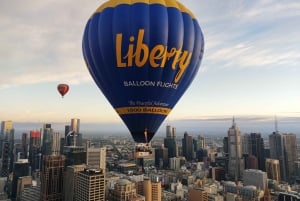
73	137
170	142
151	189
24	145
51	141
52	178
96	158
257	149
70	181
284	148
290	153
253	144
156	190
170	131
236	162
90	185
187	147
6	127
161	157
21	168
276	151
75	125
47	139
35	150
7	147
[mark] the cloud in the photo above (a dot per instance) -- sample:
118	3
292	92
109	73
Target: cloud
252	34
41	41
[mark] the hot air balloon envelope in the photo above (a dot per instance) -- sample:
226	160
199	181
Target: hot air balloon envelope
63	89
143	55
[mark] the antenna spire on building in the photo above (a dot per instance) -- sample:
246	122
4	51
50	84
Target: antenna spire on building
276	124
233	122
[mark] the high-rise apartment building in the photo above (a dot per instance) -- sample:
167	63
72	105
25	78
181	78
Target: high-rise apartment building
174	163
47	132
199	143
236	162
70	181
253	145
35	150
51	141
284	148
273	169
73	137
161	157
156	190
290	153
55	145
170	131
96	158
6	127
152	189
90	185
52	178
277	151
24	181
187	147
21	168
24	146
31	193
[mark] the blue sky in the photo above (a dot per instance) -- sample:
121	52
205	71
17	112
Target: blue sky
251	63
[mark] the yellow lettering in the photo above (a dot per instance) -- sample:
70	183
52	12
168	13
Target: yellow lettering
176	58
130	54
184	61
156	53
141	49
138	54
118	51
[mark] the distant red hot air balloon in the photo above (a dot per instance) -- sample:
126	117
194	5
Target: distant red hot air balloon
63	89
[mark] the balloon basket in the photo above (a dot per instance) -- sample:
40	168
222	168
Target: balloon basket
143	150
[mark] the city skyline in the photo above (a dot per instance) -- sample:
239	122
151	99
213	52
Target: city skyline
250	64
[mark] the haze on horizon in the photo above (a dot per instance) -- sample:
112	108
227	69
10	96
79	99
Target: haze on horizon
206	126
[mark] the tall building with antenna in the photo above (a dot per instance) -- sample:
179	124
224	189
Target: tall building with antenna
236	162
283	147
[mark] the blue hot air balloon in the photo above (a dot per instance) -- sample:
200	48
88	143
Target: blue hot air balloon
143	55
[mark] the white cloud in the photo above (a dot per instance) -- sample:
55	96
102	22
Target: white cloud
41	41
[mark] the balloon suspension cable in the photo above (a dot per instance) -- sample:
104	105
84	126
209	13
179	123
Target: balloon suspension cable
146	135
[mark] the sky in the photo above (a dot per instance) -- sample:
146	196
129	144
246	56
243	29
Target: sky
250	67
